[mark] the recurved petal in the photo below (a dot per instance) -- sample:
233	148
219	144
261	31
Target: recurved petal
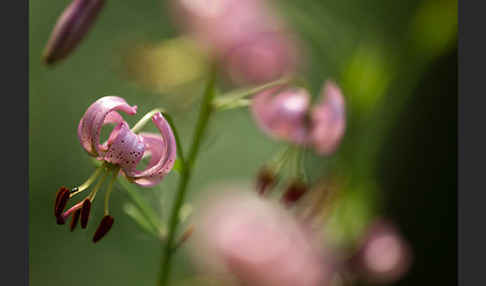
101	112
328	120
162	149
284	115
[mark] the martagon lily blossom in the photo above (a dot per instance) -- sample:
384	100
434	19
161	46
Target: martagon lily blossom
121	153
285	113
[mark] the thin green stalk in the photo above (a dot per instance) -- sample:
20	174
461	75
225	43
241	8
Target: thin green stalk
146	211
230	98
202	123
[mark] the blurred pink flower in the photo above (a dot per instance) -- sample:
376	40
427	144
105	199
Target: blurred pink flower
282	114
258	242
384	256
71	27
263	58
285	113
125	148
245	36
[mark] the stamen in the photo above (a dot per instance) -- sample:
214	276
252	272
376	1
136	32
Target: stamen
92	195
294	192
88	182
104	227
75	218
108	191
266	179
61	219
85	212
61	201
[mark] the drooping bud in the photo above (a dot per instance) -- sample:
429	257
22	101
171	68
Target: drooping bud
70	28
85	213
294	192
384	256
62	198
74	219
104	227
266	179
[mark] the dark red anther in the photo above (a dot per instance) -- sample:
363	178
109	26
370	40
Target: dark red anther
62	198
265	180
60	220
294	192
104	227
85	213
75	218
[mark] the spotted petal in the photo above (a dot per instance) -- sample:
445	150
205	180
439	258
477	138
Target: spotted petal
101	112
162	149
125	148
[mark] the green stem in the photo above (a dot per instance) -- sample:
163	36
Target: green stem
146	211
202	123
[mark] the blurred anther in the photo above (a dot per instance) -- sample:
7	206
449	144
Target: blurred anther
70	29
103	228
266	179
294	192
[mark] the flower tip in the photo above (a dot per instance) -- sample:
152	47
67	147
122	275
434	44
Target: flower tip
85	209
103	228
62	198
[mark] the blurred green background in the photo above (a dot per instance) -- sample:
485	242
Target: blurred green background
396	62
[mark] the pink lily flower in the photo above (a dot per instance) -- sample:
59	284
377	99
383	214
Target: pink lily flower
121	153
286	114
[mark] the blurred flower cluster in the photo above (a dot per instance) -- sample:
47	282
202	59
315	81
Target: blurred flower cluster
246	37
276	232
254	240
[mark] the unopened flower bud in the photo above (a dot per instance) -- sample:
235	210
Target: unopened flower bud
384	256
71	27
